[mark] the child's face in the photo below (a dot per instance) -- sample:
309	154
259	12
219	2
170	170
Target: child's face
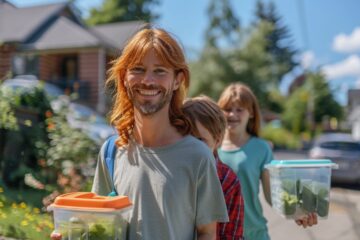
237	117
206	137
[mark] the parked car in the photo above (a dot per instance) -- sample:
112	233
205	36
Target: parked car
90	122
24	83
342	149
79	116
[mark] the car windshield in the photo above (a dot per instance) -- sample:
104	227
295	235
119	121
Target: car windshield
337	145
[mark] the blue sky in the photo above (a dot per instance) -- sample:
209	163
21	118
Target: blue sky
327	32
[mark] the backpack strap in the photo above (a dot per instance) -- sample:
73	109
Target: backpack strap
110	152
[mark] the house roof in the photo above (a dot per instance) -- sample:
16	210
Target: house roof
6	5
62	34
57	26
18	24
116	34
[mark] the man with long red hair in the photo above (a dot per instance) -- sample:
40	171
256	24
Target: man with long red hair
169	175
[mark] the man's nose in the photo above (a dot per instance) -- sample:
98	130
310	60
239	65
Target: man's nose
148	78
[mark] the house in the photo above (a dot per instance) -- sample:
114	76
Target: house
353	110
52	42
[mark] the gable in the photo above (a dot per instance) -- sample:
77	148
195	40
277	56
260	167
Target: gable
63	34
27	21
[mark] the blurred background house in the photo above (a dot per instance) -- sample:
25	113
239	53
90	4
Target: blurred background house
53	43
353	109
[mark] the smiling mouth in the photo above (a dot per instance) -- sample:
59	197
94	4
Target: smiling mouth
232	121
148	92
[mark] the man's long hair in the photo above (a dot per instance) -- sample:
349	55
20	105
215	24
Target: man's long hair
171	55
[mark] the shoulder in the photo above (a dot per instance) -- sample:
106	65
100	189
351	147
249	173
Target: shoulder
261	143
196	147
110	143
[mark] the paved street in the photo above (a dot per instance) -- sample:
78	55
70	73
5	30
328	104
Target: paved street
343	222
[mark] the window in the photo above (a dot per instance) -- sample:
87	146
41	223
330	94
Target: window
25	64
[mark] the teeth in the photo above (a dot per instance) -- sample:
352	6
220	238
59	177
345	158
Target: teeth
148	92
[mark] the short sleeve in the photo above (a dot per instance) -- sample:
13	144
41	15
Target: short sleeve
267	154
102	182
210	200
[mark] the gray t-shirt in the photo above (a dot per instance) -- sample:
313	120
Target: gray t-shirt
173	188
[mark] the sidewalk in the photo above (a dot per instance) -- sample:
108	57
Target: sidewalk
342	223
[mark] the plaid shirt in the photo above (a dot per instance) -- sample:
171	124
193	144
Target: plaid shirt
232	230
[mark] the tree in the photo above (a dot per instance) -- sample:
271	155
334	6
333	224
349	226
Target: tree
247	63
123	10
251	63
279	45
294	115
223	24
324	102
308	105
211	73
248	60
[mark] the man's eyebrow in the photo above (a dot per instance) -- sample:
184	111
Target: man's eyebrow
159	65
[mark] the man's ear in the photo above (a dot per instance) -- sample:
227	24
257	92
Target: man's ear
178	78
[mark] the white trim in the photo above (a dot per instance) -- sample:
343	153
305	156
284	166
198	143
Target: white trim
332	165
100	107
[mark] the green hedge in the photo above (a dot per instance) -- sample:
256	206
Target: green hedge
280	137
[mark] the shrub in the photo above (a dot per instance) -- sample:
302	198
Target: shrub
280	137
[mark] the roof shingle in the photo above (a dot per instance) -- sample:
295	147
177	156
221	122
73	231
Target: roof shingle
17	24
63	34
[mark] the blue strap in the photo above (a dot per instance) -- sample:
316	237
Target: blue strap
110	151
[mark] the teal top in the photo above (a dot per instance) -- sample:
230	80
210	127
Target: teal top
248	163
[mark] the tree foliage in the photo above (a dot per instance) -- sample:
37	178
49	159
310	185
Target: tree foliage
252	56
279	40
247	63
324	102
223	24
123	10
310	104
296	110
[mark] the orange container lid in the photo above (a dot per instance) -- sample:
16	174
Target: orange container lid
88	200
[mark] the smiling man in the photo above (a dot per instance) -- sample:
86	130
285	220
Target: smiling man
169	175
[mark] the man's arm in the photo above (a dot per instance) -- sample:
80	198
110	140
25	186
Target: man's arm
206	231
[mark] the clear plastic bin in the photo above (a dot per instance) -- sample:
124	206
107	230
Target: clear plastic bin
87	216
299	187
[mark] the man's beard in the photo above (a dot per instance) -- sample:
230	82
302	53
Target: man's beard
146	107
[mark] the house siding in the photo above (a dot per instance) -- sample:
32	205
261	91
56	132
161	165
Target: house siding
48	67
6	54
89	73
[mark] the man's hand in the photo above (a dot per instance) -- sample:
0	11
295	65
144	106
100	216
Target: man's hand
206	232
307	221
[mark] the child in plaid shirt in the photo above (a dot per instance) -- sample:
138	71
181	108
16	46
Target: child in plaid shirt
208	124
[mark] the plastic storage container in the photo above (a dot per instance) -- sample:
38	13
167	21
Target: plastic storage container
299	187
87	216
